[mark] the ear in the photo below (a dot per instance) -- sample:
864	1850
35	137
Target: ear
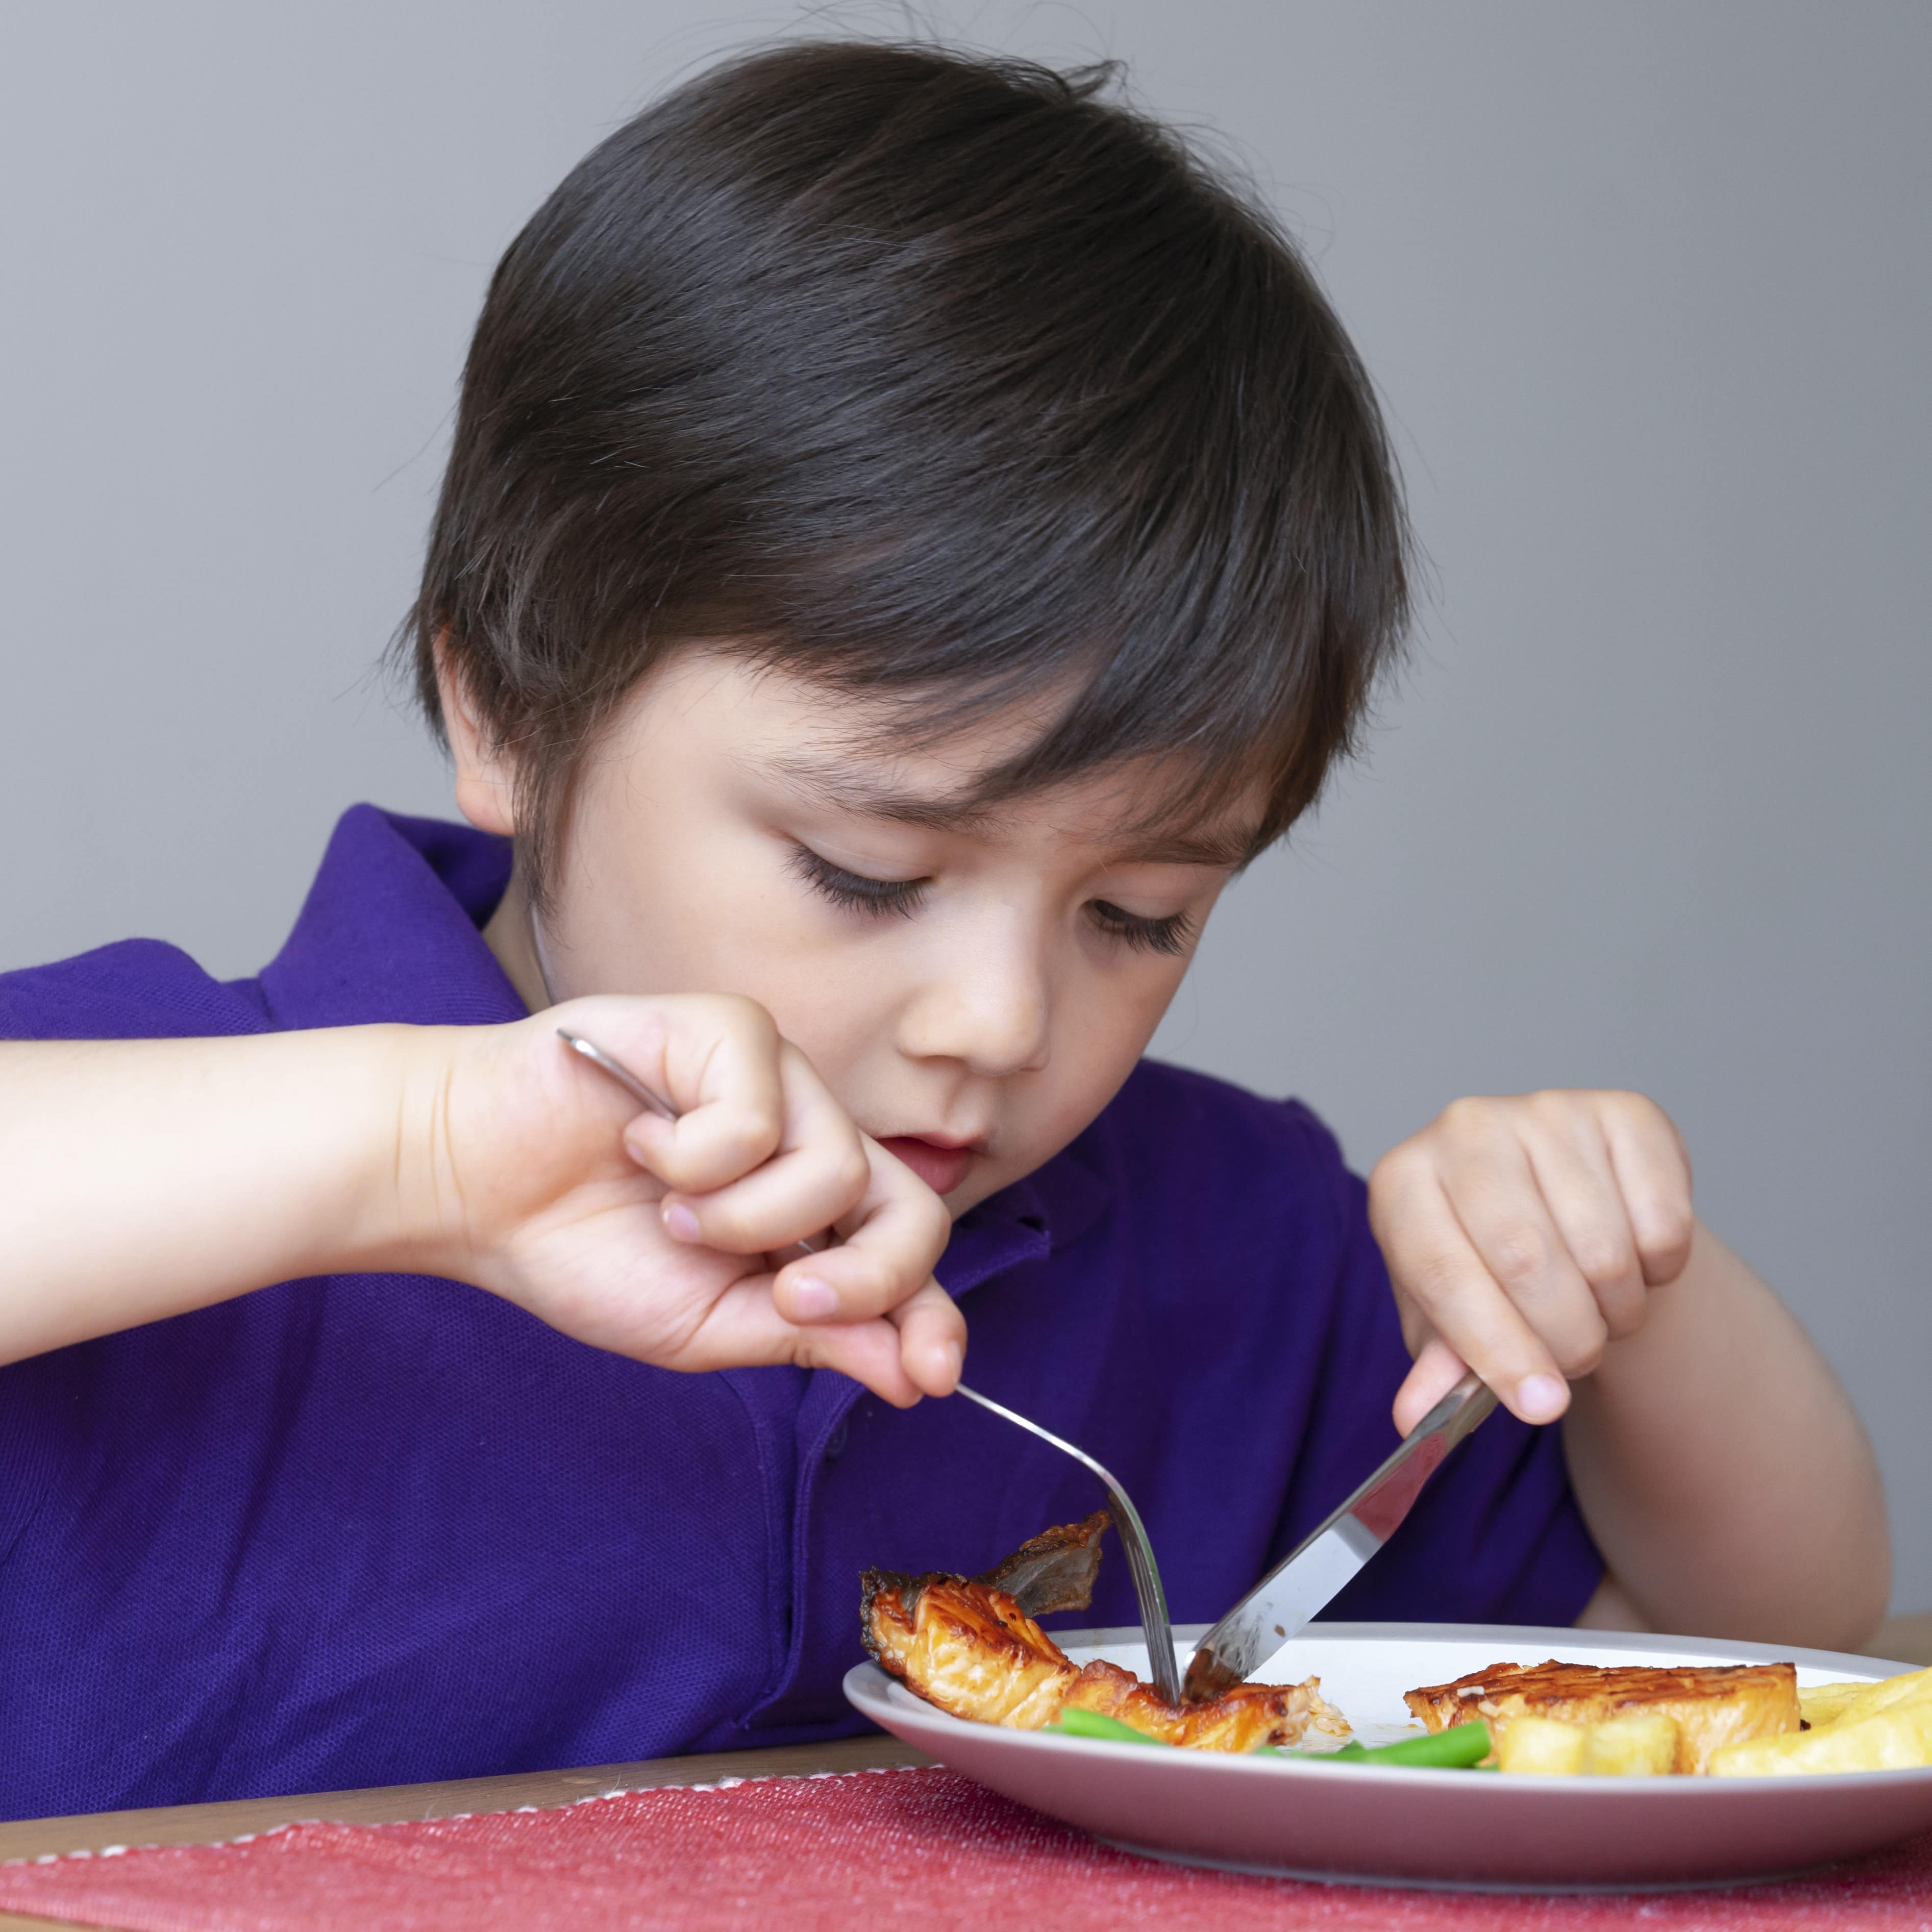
485	776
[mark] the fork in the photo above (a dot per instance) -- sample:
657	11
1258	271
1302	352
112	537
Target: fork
1161	1663
1162	1666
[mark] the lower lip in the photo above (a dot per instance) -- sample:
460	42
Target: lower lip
942	1168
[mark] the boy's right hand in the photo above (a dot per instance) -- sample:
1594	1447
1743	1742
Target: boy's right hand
522	1169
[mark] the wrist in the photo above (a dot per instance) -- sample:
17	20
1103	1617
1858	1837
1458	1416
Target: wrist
409	1217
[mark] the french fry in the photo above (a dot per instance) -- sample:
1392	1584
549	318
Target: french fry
1823	1705
1910	1686
1643	1744
1543	1745
1899	1739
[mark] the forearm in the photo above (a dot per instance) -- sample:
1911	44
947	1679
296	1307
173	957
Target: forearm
142	1178
1723	1473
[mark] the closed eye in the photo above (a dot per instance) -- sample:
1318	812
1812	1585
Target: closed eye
1170	935
892	898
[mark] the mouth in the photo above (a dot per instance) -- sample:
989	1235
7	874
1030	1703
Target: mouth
941	1167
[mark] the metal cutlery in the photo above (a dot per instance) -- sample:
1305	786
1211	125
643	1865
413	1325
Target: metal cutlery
1327	1558
1162	1666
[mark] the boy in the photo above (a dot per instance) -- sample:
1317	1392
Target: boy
911	536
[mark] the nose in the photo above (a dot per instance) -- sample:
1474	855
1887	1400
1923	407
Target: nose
987	1005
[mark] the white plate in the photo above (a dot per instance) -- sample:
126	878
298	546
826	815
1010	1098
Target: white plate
1464	1830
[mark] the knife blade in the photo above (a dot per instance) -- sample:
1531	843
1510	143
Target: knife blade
1315	1571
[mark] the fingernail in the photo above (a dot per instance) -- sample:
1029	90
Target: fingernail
681	1223
954	1358
812	1299
1540	1398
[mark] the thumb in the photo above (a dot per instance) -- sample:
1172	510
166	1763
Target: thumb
1437	1369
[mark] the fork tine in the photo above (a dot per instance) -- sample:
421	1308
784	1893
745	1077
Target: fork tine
1162	1666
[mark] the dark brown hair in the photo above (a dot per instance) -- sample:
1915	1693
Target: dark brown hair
939	379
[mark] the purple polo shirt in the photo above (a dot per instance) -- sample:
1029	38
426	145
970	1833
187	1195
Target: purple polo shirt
372	1529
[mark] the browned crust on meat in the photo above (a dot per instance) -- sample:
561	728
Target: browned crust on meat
968	1648
1713	1705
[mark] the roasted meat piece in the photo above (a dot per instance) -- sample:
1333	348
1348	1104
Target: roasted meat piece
1713	1705
971	1647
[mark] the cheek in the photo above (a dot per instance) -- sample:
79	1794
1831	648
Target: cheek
1099	1033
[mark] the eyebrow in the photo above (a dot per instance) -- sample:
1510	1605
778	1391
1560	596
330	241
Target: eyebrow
846	790
872	797
1225	851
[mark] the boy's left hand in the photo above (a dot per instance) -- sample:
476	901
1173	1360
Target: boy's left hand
1523	1235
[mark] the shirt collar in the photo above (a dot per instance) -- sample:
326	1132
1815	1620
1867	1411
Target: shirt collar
1047	1211
391	930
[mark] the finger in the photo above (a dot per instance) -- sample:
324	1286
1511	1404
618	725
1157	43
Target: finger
1653	1174
890	1245
1571	1162
820	1173
1433	1261
714	1059
1493	1189
743	1329
932	1339
1437	1369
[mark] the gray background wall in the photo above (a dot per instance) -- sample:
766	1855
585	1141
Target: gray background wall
1647	288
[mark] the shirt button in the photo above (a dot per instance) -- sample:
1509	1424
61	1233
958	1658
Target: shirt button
834	1445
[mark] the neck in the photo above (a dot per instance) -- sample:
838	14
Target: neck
512	934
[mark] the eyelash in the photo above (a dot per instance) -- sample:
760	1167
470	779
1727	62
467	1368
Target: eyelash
1168	936
896	898
899	898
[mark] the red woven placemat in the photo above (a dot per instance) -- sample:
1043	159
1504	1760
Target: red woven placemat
925	1846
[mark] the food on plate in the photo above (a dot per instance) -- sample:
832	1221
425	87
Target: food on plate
971	1646
1829	1705
1643	1744
1710	1705
1822	1704
1461	1747
1882	1726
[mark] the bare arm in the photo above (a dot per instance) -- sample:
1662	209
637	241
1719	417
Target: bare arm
1724	1473
140	1179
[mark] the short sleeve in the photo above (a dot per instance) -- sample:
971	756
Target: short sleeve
136	989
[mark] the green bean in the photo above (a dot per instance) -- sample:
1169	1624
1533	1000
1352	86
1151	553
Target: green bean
1459	1748
1078	1723
1456	1749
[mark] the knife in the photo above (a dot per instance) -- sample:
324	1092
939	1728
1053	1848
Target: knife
1325	1560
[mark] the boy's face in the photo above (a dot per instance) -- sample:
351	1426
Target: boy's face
974	987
